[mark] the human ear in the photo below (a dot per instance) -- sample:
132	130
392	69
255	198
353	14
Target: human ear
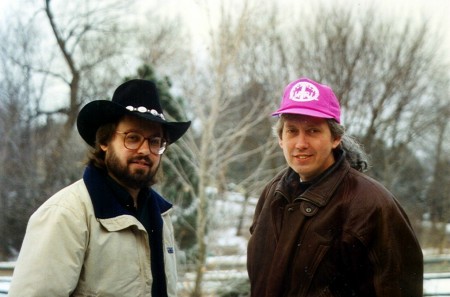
336	142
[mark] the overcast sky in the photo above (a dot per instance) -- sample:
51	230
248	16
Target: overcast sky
192	12
436	11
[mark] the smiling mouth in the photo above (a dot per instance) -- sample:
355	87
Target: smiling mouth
302	157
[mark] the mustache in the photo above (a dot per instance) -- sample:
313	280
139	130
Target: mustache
142	159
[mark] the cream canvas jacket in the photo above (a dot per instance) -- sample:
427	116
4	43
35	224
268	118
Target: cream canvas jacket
67	251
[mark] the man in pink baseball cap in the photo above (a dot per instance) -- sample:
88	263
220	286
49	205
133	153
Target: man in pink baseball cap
321	226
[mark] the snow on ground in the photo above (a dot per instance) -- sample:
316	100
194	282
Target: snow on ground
437	283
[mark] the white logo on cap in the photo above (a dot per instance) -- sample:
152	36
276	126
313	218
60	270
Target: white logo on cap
304	91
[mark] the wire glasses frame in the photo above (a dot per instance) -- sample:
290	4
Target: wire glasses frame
134	140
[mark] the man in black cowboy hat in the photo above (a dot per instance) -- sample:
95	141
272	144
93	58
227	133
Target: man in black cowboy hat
108	234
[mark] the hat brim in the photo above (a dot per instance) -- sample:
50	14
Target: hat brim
100	112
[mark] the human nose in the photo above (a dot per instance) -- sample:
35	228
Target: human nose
144	148
301	141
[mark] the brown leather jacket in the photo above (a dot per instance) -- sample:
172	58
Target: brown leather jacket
346	235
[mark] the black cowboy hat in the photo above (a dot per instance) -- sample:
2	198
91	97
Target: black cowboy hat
135	97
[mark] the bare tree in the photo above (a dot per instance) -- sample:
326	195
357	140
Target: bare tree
63	55
163	42
85	40
230	104
384	72
437	194
21	152
436	140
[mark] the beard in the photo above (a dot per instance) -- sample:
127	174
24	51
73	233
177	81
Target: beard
138	179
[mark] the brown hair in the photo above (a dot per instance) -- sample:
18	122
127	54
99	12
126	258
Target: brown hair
96	156
336	129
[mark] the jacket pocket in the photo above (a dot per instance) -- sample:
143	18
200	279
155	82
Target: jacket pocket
308	270
319	255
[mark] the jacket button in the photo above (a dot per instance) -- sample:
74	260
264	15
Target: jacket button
308	209
290	209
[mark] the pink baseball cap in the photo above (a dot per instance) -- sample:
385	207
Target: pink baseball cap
307	97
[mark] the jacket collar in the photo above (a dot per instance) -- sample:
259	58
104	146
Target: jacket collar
320	190
104	198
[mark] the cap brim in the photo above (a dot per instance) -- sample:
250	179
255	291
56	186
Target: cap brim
303	111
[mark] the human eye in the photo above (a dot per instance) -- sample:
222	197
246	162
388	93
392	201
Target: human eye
133	137
313	130
290	130
155	141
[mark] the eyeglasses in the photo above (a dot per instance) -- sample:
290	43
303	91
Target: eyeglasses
134	141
